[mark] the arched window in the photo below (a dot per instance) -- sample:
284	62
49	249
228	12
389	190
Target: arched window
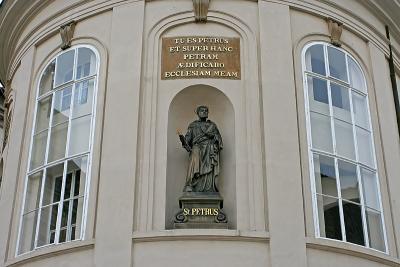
346	196
56	189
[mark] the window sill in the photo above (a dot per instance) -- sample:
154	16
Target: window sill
201	234
352	250
51	250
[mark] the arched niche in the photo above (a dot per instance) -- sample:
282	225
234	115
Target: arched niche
181	113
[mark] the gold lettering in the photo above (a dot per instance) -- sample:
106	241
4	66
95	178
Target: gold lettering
186	211
215	211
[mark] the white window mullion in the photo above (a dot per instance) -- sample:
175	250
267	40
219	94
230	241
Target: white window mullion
347	69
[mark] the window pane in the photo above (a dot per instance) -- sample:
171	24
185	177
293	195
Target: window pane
344	139
43	114
65	65
58	141
33	192
28	231
340	102
329	218
315	61
364	143
76	219
62	104
321	132
78	167
65	212
348	181
80	135
337	64
370	189
356	76
318	95
47	225
353	223
68	185
360	110
375	230
83	98
38	149
86	63
53	184
325	178
47	80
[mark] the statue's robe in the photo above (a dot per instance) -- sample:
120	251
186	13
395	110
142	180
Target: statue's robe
205	142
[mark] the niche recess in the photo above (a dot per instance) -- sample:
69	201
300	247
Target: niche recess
181	113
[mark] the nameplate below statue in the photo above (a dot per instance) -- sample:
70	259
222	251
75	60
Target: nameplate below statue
200	210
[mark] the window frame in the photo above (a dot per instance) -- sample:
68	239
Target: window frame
67	158
334	155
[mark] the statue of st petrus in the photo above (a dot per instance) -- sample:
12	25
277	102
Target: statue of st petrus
204	143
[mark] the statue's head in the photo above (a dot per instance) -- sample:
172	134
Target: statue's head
202	112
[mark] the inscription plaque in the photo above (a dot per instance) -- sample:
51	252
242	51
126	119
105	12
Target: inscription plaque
200	57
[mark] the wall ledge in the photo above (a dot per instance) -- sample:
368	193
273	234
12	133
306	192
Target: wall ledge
201	234
50	251
352	250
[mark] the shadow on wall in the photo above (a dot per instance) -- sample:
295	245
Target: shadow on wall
181	114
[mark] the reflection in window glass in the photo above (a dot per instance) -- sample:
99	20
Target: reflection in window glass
47	80
62	103
38	149
318	95
375	230
80	135
43	114
360	109
58	140
315	61
83	98
337	64
345	184
365	152
356	77
344	139
341	102
65	67
329	217
353	223
371	195
56	191
348	181
86	63
325	177
321	132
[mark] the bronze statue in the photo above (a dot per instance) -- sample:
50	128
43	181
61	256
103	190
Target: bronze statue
204	143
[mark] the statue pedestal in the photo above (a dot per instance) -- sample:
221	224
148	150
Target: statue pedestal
200	210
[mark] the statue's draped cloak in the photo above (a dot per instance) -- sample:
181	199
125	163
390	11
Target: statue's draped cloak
205	141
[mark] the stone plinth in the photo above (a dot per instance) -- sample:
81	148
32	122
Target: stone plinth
200	210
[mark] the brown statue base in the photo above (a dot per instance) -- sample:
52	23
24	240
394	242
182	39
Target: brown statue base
200	211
